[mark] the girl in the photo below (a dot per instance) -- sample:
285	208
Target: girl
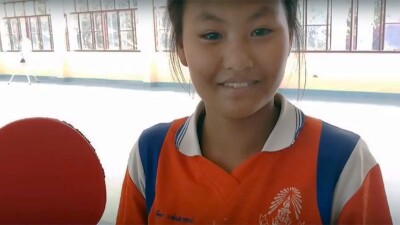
246	155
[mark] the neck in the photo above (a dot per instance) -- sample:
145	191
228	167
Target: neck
227	141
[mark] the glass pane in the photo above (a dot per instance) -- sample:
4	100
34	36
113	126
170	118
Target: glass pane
22	23
341	24
87	43
99	40
79	41
6	36
29	8
81	5
8	26
14	26
9	9
112	25
44	23
46	37
33	25
85	23
107	4
368	27
125	18
94	5
113	41
300	15
98	22
162	18
40	7
316	38
36	42
15	42
127	40
133	3
159	3
317	11
112	21
19	9
122	4
73	30
6	43
392	37
163	40
392	11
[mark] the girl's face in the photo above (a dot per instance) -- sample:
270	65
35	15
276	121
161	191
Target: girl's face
236	52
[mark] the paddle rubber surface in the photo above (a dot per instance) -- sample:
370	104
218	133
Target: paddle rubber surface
50	174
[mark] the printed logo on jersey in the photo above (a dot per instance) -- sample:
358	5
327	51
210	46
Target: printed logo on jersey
285	209
174	217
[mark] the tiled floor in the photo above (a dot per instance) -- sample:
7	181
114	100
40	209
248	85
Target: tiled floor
112	118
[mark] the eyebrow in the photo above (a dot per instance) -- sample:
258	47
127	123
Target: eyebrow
261	12
264	11
206	16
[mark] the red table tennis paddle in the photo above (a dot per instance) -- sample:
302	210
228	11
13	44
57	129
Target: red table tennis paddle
49	174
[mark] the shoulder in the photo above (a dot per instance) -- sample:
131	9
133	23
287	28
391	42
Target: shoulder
143	158
158	131
332	139
337	144
335	135
155	132
340	146
342	157
151	140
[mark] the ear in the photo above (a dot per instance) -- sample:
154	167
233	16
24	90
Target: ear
181	54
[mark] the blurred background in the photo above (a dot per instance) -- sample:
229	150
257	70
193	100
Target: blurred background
103	66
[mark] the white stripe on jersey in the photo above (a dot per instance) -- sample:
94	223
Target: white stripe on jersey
135	169
352	177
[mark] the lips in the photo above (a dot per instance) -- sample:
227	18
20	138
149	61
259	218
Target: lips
241	84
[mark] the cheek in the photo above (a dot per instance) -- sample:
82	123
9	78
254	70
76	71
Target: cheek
201	63
282	54
273	64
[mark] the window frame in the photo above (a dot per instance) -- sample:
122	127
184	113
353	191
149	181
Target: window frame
14	45
326	25
132	9
355	4
159	30
383	27
1	43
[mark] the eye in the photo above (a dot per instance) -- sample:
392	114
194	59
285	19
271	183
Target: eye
212	36
261	32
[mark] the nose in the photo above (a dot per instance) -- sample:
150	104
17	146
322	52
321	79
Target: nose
237	56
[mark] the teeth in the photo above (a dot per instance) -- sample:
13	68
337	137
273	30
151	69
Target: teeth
237	85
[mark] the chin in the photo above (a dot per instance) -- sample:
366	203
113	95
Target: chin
239	112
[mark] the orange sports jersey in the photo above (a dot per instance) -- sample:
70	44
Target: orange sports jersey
308	172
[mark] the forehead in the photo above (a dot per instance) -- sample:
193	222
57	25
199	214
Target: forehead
208	9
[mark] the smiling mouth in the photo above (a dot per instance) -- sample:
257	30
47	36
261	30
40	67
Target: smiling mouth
239	84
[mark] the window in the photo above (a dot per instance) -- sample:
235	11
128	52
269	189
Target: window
350	25
341	25
392	26
161	19
316	24
1	44
368	25
103	25
27	18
